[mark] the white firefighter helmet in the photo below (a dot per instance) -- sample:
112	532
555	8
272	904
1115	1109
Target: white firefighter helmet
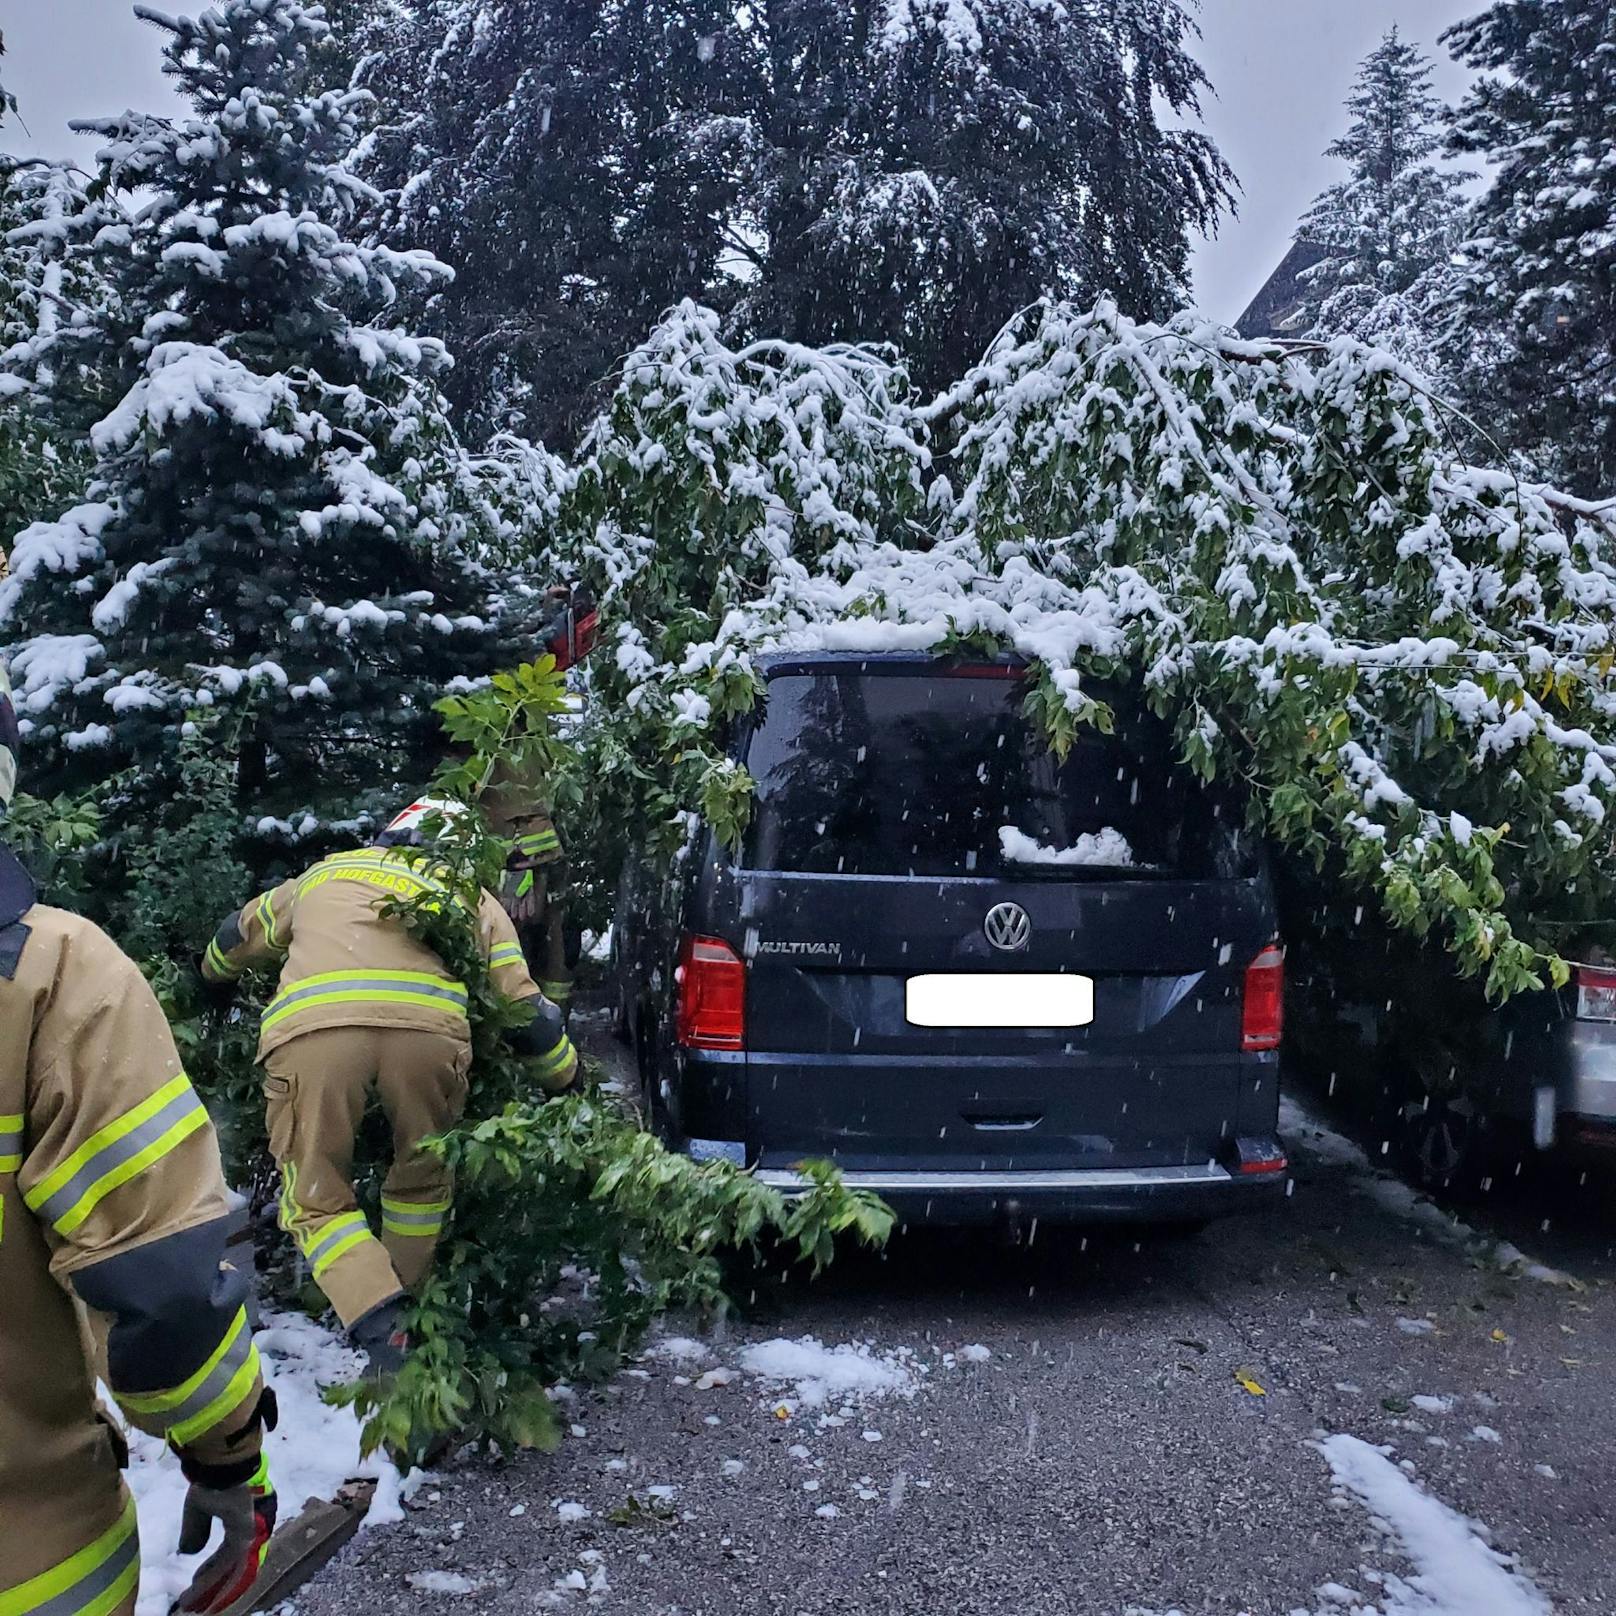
408	823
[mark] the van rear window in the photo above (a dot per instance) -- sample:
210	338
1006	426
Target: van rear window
912	773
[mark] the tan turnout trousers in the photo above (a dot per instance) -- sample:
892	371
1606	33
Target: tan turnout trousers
112	1261
316	1088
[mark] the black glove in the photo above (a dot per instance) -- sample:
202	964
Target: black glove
246	1510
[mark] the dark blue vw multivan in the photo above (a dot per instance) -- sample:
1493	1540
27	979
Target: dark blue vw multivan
986	983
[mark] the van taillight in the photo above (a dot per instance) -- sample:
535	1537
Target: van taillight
1596	993
712	995
1262	1011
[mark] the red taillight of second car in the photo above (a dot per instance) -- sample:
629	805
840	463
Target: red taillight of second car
1596	993
712	995
1262	1010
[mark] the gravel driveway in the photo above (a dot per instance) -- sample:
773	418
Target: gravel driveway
1100	1426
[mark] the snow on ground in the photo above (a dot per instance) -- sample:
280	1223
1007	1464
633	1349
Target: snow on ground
1403	1201
1455	1572
314	1450
832	1380
816	1375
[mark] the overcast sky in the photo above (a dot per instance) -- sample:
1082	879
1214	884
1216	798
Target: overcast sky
1281	69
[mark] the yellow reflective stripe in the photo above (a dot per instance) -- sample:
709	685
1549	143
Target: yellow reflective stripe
341	1249
162	1402
507	954
313	1241
413	1218
558	1057
368	863
391	1203
266	919
92	1582
402	996
216	960
233	1395
117	1153
11	1131
218	1388
425	978
556	992
288	1206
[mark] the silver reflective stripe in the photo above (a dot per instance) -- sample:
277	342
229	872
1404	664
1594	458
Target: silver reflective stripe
455	996
112	1156
351	1224
416	1220
216	1383
71	1601
10	1144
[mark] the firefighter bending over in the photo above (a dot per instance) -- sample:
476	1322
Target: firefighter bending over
366	1008
112	1203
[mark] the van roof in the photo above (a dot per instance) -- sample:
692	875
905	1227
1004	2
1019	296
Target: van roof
775	663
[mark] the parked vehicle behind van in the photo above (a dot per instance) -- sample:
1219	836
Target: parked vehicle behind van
1463	1092
986	983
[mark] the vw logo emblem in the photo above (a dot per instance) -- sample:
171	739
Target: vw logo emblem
1008	927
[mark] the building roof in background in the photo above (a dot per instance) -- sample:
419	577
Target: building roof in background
1280	308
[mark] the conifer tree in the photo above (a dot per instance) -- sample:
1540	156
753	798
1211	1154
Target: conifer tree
576	163
1394	216
928	167
1543	247
41	468
280	523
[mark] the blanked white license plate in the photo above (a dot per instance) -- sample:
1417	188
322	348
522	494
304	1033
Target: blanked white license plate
1026	999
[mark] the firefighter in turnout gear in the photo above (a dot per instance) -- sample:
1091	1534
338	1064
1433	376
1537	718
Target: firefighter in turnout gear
535	895
112	1228
535	891
366	1009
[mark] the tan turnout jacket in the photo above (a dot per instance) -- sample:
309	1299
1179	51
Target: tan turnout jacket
347	963
112	1203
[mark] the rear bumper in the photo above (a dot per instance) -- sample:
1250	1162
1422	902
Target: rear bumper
1084	1195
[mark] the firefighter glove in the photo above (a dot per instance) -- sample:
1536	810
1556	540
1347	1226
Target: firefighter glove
246	1510
521	897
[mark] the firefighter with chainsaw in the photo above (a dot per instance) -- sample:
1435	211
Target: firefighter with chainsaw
112	1221
365	1008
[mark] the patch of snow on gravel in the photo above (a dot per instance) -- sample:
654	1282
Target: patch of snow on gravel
314	1450
1456	1573
820	1374
679	1349
443	1582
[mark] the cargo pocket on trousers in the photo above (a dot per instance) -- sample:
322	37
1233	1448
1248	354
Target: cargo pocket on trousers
280	1114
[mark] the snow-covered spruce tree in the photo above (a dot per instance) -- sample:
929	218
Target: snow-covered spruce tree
576	163
1544	236
281	525
1398	213
42	466
928	167
1405	661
